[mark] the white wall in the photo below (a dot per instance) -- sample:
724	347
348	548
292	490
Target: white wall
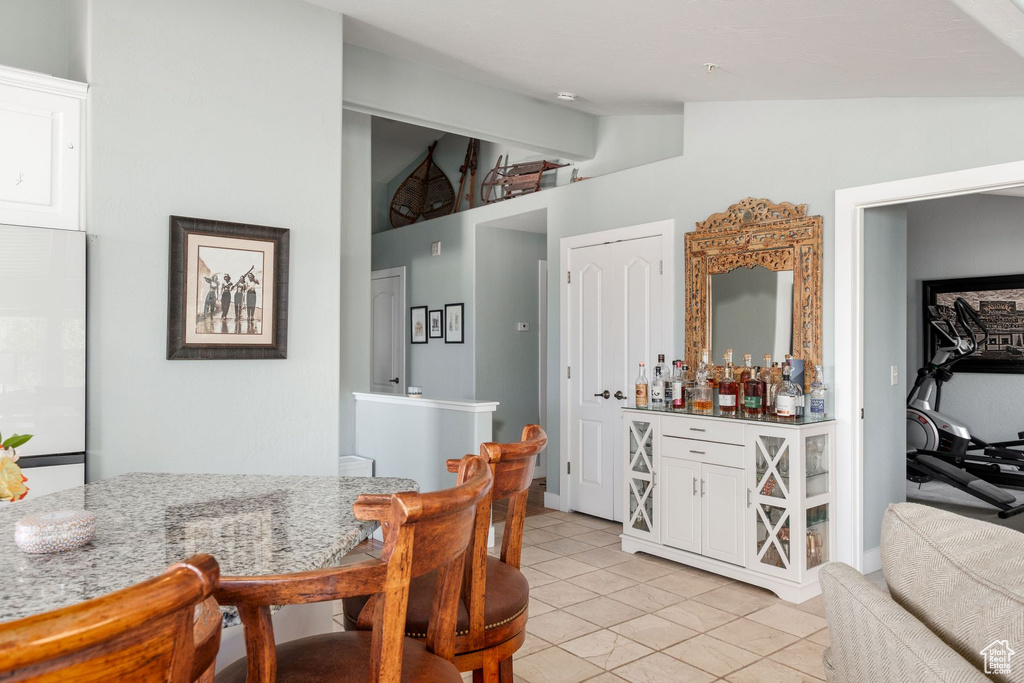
443	370
970	236
34	35
405	91
628	141
226	110
356	218
507	359
885	432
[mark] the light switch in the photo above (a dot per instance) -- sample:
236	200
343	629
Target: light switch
523	327
894	374
435	248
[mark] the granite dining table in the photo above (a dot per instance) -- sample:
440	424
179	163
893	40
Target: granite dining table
252	525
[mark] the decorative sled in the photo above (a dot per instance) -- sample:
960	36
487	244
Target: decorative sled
506	182
426	192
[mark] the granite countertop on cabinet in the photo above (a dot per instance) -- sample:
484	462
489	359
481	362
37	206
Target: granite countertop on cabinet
252	524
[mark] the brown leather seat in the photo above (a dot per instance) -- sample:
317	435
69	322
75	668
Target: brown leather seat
493	609
318	658
424	533
507	597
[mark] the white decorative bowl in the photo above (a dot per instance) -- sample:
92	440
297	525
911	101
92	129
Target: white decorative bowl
54	532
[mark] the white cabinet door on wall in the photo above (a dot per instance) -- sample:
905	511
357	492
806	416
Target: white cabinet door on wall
722	508
40	150
682	519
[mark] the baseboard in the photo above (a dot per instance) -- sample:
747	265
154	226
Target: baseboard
551	500
871	561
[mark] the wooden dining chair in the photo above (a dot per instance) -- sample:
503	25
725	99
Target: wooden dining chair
423	533
162	629
495	595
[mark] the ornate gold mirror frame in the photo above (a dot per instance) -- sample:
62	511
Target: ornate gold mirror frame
756	232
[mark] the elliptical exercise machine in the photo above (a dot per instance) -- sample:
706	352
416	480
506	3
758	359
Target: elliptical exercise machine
940	447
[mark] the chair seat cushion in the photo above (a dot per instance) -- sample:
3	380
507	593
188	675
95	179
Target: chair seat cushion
507	597
344	657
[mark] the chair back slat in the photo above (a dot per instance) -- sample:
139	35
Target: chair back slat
146	632
513	465
423	532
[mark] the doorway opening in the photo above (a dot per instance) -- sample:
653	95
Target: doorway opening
853	208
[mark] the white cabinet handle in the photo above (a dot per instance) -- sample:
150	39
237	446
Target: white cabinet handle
695	486
702	482
748	497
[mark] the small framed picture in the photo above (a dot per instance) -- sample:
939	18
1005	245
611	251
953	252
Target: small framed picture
436	327
453	323
418	325
228	290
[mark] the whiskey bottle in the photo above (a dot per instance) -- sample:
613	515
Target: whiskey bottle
658	385
817	395
689	382
678	386
773	388
753	395
641	388
703	401
742	379
788	397
728	390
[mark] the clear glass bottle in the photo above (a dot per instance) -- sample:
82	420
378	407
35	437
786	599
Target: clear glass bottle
728	389
788	398
658	385
773	388
678	386
641	388
817	395
667	373
703	396
689	382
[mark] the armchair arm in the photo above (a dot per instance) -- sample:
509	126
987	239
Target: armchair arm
294	589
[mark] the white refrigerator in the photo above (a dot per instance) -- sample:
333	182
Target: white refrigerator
42	353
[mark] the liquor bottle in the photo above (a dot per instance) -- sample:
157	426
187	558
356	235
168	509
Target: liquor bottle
667	370
817	395
773	388
703	401
742	379
788	397
641	389
678	386
689	382
658	385
766	381
753	395
728	390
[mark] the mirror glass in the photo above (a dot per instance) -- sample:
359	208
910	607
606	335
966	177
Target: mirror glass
751	312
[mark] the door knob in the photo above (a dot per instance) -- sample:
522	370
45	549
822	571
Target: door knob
619	395
604	394
394	381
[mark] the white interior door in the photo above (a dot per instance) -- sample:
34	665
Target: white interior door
387	292
615	293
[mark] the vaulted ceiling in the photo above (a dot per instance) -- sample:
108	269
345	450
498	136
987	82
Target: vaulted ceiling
648	57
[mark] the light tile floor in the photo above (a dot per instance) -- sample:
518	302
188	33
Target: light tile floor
598	614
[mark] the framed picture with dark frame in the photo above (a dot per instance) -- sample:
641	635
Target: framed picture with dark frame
227	292
435	327
418	325
999	301
454	324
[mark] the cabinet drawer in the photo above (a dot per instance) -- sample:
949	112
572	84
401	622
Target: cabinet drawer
724	431
727	455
